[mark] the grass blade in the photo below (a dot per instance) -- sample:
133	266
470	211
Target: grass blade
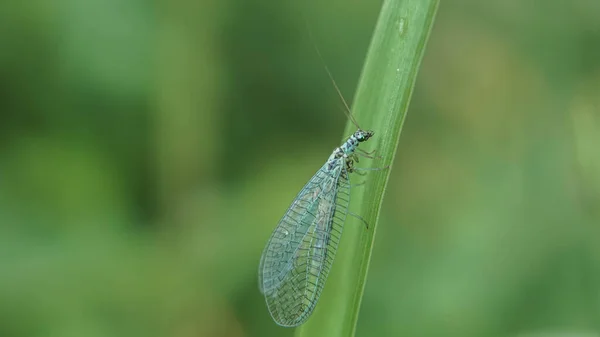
381	103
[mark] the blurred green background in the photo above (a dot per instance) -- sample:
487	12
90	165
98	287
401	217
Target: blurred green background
148	149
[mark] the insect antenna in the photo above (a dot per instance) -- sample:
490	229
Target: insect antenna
347	111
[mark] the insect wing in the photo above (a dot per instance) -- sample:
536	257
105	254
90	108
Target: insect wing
296	261
292	227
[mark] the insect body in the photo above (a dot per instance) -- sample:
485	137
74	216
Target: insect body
296	261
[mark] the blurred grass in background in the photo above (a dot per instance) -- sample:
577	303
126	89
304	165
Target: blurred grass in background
148	149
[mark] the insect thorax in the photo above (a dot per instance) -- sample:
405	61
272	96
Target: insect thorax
354	140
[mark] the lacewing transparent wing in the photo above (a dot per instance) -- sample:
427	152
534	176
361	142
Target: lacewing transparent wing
296	261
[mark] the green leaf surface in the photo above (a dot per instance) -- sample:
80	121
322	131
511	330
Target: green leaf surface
381	104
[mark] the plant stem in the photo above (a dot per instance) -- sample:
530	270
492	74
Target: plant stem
382	100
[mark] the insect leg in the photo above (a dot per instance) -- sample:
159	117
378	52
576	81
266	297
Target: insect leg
362	183
366	154
369	153
360	170
359	218
360	173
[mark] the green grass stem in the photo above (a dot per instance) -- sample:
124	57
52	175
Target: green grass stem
381	103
